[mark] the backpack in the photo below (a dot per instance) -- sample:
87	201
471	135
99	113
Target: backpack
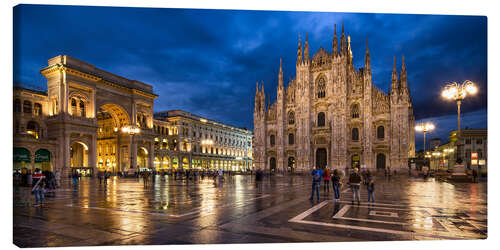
317	175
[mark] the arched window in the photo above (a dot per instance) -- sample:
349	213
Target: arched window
291	139
37	109
73	106
272	140
380	132
82	108
27	107
355	110
291	117
321	88
17	105
321	119
355	134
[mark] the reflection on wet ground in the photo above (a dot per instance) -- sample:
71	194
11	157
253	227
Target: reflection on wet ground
239	210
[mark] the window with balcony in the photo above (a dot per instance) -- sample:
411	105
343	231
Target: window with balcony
355	134
291	117
321	119
355	110
380	132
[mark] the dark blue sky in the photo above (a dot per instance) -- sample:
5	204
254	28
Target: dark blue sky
207	61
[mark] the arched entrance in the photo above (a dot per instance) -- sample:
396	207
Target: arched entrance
112	146
321	158
291	164
79	158
380	161
142	159
272	165
355	159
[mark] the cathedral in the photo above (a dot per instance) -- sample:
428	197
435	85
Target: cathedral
331	115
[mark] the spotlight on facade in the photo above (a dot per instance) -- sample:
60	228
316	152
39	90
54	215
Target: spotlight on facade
131	129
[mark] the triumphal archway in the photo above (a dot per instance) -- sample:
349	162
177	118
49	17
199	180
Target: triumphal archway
100	120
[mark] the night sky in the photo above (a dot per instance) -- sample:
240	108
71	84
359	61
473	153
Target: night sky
208	61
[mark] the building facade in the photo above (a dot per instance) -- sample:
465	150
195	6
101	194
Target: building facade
332	115
90	120
473	144
188	141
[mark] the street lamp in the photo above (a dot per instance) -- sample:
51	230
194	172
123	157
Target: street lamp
131	130
424	127
458	92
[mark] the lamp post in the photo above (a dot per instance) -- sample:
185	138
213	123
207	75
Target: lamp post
131	130
457	92
424	127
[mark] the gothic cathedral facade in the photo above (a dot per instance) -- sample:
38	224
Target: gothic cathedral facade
331	115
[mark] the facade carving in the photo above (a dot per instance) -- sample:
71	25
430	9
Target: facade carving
332	115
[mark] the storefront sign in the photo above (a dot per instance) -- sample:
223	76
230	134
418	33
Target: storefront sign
473	156
21	155
42	155
473	162
482	162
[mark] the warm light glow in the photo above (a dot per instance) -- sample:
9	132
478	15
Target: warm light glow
456	91
131	129
425	127
203	120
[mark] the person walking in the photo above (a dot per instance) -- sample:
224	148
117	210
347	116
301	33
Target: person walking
106	177
326	180
370	186
354	182
100	176
337	184
317	174
75	178
39	188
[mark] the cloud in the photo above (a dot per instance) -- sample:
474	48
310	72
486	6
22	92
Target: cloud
207	61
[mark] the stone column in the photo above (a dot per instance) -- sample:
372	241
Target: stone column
66	155
92	154
151	155
133	153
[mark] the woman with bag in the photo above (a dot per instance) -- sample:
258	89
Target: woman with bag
337	184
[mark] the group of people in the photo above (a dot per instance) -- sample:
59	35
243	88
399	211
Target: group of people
354	181
42	183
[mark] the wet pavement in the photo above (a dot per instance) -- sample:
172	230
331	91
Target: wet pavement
240	210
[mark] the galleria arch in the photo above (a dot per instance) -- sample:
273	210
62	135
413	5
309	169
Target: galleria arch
97	108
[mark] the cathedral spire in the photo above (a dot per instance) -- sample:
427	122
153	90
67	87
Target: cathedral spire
367	57
342	42
394	85
335	49
280	80
299	52
306	50
404	82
